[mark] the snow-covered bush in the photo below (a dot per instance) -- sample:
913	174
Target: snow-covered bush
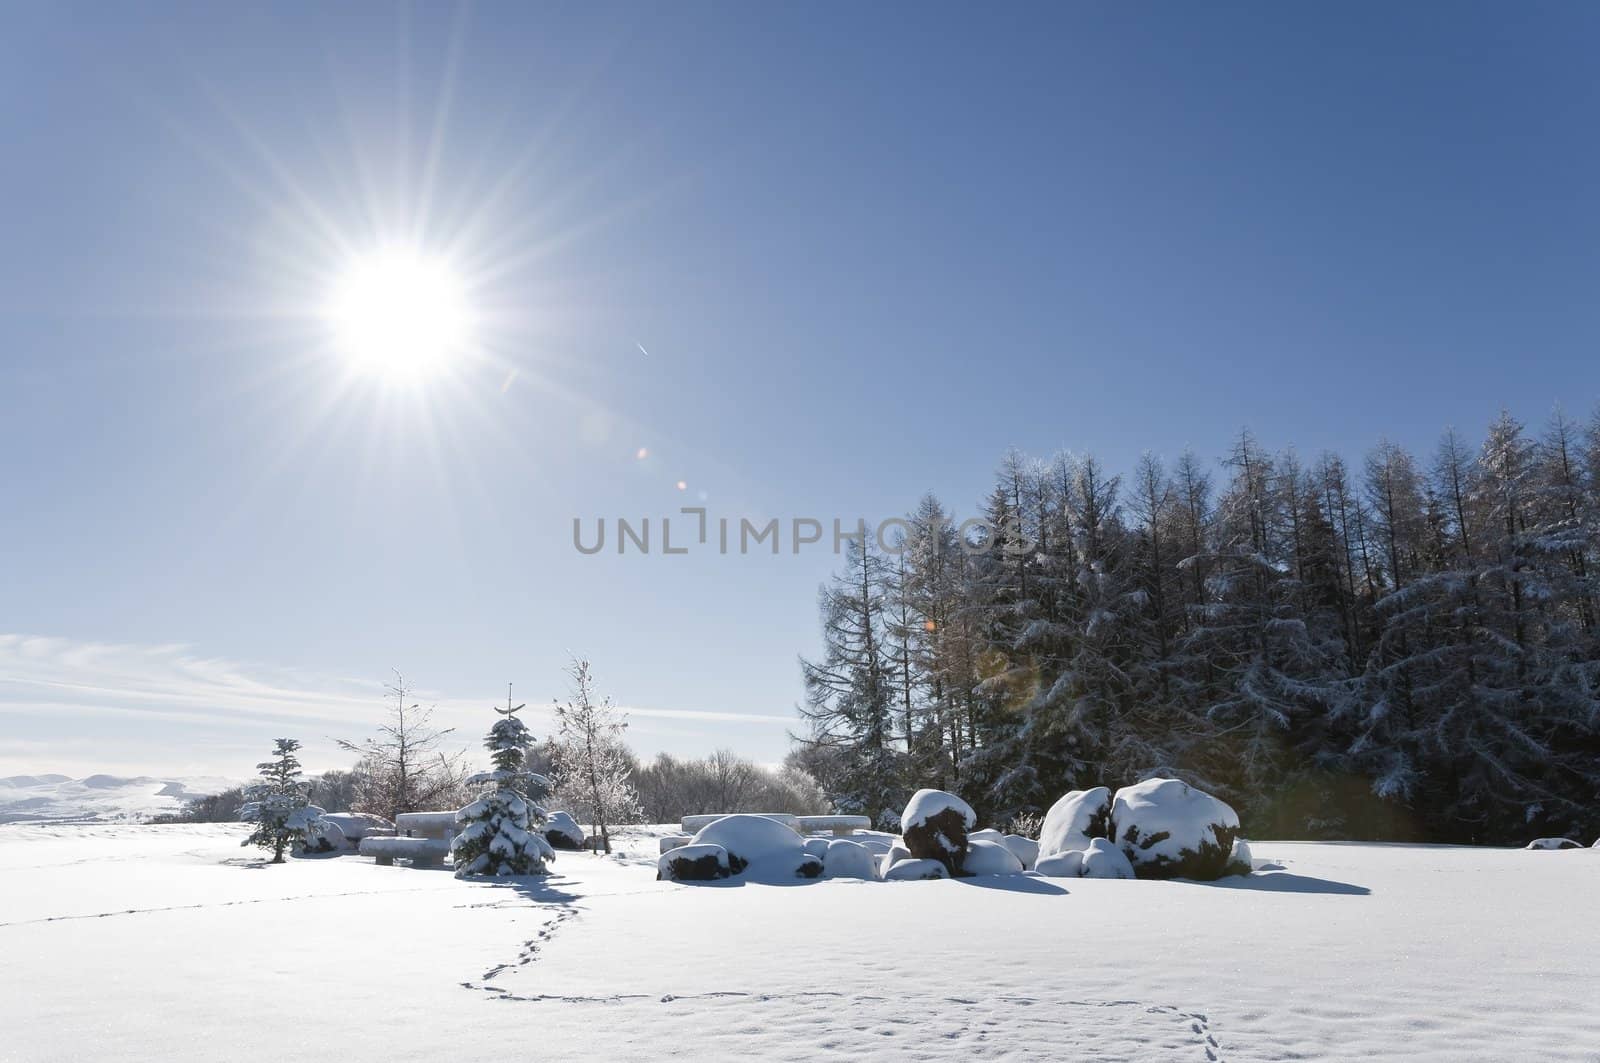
1075	820
1061	865
1168	829
1104	860
694	863
915	871
935	825
563	832
757	847
277	805
502	831
986	857
1554	843
844	858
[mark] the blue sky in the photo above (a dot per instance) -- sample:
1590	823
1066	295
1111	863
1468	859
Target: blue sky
866	249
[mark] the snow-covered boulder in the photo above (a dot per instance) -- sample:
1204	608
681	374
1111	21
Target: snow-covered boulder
817	847
1553	843
810	866
1024	849
694	863
1075	820
324	836
935	825
897	852
1240	861
988	834
915	871
985	857
563	832
757	847
848	859
1062	865
1104	860
1168	829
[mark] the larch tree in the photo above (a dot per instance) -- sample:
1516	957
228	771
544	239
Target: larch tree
592	765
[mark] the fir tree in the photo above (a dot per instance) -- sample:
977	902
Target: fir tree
501	832
278	805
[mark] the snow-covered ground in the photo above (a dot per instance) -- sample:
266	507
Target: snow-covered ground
107	798
172	943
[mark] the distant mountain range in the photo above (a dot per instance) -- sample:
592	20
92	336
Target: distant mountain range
98	798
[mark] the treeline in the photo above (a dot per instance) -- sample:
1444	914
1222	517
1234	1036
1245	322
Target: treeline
667	789
1407	650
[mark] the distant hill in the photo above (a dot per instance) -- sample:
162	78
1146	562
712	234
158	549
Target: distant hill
98	798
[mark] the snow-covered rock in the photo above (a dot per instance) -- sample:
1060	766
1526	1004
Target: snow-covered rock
1075	820
694	863
563	832
988	834
848	859
1168	829
1104	860
1554	843
810	866
325	836
1062	865
757	846
1024	849
935	825
915	870
1240	861
817	847
985	857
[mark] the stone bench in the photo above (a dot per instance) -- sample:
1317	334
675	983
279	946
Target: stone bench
695	824
421	852
672	841
841	826
441	825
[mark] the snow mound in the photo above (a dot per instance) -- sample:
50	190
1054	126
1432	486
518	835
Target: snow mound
1024	849
986	857
1104	860
843	858
563	832
1168	829
1075	820
1240	861
757	847
915	871
935	825
1548	844
694	863
1062	865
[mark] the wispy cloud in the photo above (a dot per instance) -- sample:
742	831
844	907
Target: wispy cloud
173	695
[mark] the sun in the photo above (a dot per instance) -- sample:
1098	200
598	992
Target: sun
401	314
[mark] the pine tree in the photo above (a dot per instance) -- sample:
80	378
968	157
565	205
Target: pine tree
501	832
278	804
591	762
